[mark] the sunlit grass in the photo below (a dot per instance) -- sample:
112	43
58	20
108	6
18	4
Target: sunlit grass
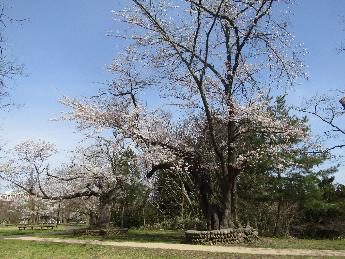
27	249
13	230
135	235
297	243
176	237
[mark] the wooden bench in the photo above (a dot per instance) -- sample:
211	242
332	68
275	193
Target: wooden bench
36	227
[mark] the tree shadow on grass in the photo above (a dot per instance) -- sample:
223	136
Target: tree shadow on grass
154	236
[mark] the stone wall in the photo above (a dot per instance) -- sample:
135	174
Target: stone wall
223	236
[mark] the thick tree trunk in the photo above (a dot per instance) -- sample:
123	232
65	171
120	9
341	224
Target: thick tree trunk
215	220
229	217
104	216
104	211
92	218
221	213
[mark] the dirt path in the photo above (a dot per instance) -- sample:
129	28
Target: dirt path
204	248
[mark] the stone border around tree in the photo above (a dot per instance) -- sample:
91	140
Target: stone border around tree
222	236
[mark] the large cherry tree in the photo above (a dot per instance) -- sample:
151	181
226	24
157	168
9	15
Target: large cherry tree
192	84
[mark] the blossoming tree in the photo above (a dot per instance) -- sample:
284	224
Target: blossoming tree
96	174
100	170
212	67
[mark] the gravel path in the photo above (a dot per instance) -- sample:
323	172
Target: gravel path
185	247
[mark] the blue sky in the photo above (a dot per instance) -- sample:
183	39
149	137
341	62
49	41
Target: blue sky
65	48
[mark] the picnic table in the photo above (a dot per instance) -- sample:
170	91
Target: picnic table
36	227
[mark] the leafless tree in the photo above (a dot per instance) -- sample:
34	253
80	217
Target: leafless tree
8	67
329	110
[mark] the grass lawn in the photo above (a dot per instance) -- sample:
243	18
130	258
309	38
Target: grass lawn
13	249
296	243
162	236
176	237
13	230
135	235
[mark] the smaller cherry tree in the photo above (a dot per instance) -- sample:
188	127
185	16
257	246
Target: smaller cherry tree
100	170
26	169
27	165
